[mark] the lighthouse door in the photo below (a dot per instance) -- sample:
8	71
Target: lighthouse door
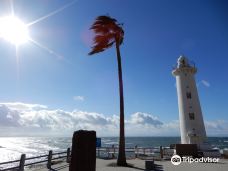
193	138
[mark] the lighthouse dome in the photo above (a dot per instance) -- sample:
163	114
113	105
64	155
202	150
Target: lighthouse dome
182	61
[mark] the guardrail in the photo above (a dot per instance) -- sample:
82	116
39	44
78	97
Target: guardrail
109	151
41	159
136	151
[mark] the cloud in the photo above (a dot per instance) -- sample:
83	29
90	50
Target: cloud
205	83
144	119
217	127
23	106
8	118
79	98
34	119
38	119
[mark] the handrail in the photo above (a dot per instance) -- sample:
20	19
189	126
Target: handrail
35	157
59	155
23	160
12	161
29	164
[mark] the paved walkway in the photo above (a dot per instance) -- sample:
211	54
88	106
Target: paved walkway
137	165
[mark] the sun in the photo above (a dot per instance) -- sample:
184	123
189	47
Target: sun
13	30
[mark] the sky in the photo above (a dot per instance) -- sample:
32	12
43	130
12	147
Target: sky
54	85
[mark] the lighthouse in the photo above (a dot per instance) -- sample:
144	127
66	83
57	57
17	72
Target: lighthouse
192	127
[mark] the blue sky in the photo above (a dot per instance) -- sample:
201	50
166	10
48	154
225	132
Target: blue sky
157	32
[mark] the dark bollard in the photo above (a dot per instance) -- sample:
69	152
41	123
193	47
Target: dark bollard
83	155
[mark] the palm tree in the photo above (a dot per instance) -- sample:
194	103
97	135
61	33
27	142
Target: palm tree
108	32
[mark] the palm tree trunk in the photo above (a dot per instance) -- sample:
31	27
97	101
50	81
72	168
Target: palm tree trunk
121	160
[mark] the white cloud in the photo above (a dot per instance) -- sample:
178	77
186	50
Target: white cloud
8	117
23	106
205	83
79	98
217	127
48	121
34	119
144	119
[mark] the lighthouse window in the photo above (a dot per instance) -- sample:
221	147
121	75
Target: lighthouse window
191	116
189	95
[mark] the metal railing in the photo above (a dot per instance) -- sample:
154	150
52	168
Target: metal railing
136	152
48	158
190	64
110	152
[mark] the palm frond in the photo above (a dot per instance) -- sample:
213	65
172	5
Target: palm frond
101	47
107	32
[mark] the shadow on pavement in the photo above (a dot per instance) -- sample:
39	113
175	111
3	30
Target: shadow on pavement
157	167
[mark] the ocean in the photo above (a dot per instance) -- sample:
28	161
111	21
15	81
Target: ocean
11	148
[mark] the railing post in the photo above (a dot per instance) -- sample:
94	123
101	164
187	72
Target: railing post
22	162
113	154
98	151
68	155
144	151
161	152
108	151
49	159
136	151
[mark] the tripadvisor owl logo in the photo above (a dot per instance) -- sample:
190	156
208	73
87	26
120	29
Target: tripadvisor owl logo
176	160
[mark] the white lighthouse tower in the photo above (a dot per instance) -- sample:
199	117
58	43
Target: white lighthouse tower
190	115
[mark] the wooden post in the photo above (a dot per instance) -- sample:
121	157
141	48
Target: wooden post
136	151
144	151
161	152
22	162
68	155
49	159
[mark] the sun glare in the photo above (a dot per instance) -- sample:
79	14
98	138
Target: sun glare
13	30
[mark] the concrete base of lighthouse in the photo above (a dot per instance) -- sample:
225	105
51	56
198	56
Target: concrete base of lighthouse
203	147
196	150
